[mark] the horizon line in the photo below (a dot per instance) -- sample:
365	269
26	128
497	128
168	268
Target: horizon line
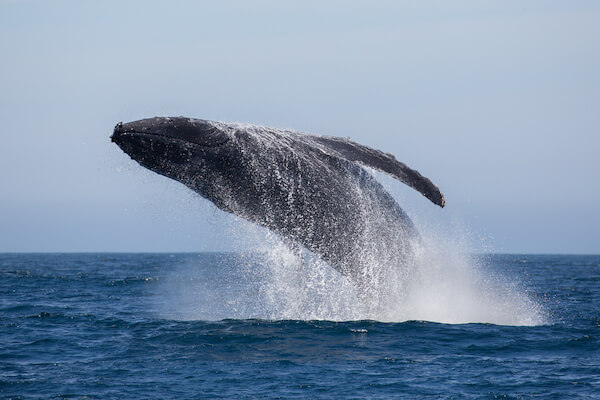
238	251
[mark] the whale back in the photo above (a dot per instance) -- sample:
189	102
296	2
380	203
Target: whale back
289	183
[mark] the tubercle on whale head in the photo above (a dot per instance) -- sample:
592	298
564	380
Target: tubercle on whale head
116	132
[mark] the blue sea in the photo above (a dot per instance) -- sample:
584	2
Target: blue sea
234	326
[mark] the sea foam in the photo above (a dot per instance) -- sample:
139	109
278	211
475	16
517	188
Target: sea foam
271	280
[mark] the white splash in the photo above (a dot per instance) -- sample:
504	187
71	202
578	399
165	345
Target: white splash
450	286
276	282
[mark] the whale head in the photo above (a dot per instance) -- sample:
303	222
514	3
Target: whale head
138	138
156	142
193	151
192	131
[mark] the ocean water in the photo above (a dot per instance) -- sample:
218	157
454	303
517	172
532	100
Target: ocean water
270	325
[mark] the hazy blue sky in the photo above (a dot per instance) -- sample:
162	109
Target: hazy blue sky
498	102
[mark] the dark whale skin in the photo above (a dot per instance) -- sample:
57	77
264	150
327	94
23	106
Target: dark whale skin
311	190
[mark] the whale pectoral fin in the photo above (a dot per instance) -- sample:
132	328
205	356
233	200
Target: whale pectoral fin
383	162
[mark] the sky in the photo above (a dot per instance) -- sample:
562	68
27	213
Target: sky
497	102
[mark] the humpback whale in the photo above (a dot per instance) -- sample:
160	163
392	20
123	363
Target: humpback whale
311	190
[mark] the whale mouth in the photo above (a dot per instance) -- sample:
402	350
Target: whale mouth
186	130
